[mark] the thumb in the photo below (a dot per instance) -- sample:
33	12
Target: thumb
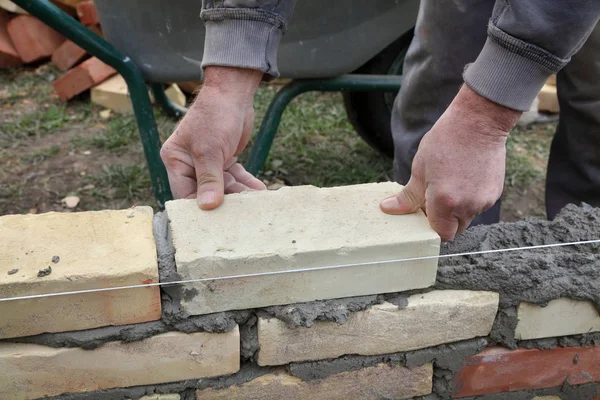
209	178
408	201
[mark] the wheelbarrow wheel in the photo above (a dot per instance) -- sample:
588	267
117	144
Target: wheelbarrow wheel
370	113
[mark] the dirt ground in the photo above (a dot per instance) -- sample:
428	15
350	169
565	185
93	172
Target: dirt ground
50	149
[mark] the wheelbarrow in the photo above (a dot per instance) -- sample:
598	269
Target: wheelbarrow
356	47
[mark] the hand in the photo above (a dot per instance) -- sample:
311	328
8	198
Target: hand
201	155
458	171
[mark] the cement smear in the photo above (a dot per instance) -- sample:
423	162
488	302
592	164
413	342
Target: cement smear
534	276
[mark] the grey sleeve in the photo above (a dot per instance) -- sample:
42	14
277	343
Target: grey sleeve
529	40
245	33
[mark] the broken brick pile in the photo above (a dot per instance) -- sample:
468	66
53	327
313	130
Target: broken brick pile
365	332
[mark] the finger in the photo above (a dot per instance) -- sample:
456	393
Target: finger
463	224
246	178
442	219
181	173
409	200
233	186
209	178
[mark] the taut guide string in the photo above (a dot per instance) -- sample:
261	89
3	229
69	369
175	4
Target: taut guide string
290	271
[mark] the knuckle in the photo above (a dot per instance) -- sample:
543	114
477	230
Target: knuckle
206	177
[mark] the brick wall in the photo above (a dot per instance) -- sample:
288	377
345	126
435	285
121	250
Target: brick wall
376	331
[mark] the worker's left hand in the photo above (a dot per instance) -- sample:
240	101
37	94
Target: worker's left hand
458	170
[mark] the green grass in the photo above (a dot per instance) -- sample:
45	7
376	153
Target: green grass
41	155
37	123
131	182
120	132
527	154
317	145
28	83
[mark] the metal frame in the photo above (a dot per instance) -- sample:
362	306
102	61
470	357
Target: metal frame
142	107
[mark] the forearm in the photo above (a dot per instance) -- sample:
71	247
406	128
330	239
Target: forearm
245	34
527	42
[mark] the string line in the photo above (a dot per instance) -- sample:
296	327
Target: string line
291	271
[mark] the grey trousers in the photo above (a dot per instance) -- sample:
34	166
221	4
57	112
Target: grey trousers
449	35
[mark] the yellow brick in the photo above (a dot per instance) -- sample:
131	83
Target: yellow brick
548	99
373	383
31	371
95	250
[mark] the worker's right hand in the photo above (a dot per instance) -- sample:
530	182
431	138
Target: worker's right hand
201	154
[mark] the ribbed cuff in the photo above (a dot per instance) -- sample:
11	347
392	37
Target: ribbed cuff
510	72
242	43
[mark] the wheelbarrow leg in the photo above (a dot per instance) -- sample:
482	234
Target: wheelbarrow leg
138	90
172	109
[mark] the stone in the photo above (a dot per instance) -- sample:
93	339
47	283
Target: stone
548	99
561	317
381	381
31	371
83	77
8	54
429	319
114	95
296	228
87	13
96	250
33	39
70	201
497	369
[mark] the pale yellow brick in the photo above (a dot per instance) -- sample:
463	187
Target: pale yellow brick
548	99
561	317
96	250
429	319
373	383
30	371
299	227
174	396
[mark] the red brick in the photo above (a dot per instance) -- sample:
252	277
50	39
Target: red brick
8	54
83	77
497	369
67	55
33	39
86	11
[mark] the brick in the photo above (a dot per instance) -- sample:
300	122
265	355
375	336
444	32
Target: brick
548	99
299	227
561	317
175	94
8	54
430	319
87	14
174	396
551	80
497	369
83	77
190	87
68	55
31	371
33	39
95	250
114	95
8	5
372	383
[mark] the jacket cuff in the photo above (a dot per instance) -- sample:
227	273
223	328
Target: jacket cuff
242	43
509	71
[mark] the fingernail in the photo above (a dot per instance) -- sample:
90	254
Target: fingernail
207	198
390	203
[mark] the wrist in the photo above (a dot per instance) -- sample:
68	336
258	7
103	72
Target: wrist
496	118
232	80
